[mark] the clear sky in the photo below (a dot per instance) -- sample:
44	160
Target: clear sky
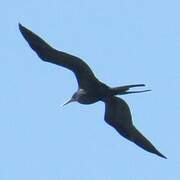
124	42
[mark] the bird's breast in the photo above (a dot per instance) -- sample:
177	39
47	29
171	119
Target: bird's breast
88	99
91	97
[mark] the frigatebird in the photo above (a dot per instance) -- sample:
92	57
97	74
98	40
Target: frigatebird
91	90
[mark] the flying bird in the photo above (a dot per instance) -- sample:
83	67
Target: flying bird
91	90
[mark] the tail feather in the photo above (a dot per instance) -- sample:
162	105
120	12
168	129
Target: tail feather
124	89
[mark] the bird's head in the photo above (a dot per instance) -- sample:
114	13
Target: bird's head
76	97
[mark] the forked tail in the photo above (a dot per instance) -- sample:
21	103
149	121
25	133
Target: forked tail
124	89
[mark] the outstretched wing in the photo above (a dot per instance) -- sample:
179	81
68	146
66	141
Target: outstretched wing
118	115
82	71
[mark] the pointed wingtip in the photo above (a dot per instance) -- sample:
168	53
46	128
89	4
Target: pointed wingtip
161	155
155	151
20	25
21	28
164	157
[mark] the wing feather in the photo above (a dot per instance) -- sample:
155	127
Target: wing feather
118	115
84	75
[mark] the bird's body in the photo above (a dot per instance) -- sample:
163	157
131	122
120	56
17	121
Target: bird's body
91	90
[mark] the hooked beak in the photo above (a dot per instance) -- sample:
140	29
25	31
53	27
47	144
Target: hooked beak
67	102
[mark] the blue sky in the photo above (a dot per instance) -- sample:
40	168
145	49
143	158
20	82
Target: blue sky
124	42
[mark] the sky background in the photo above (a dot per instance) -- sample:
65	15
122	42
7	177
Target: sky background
124	42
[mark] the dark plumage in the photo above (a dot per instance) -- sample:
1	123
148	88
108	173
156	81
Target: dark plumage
91	90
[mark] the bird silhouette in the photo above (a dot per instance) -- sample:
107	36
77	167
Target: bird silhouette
91	90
